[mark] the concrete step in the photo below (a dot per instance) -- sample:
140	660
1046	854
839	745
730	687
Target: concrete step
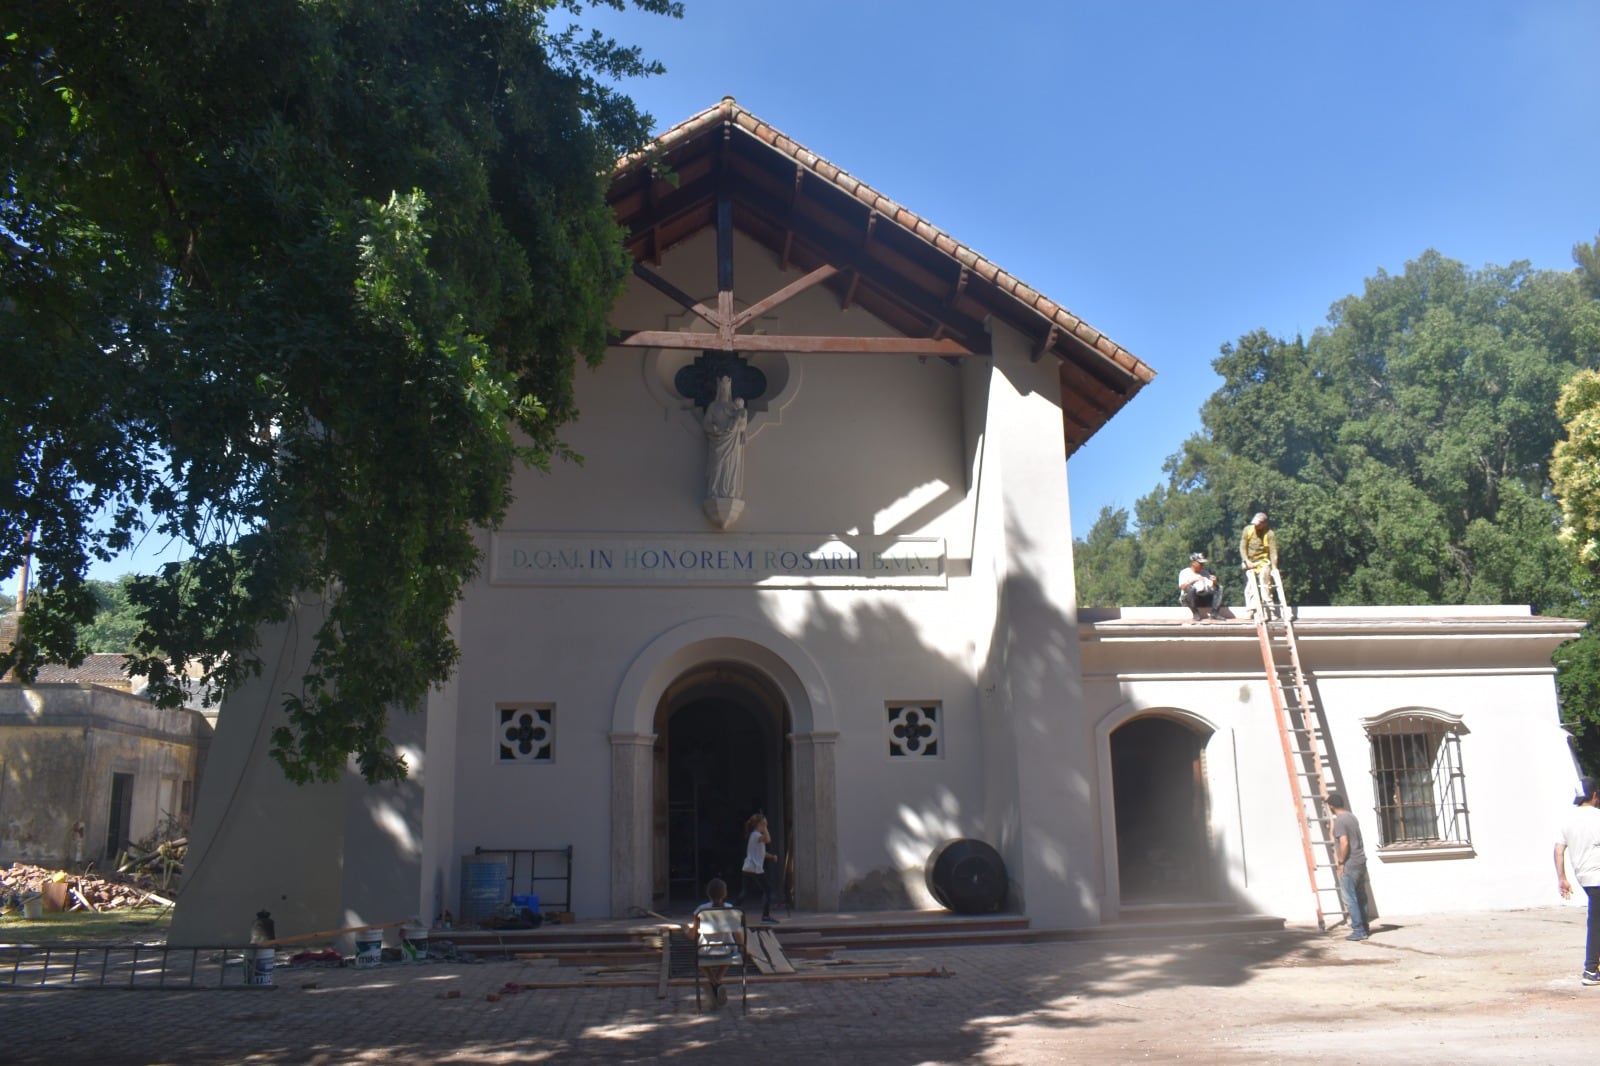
609	940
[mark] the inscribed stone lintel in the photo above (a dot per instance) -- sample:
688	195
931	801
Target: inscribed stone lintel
753	560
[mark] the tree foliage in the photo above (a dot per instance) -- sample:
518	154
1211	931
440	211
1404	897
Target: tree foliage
304	281
116	625
1403	450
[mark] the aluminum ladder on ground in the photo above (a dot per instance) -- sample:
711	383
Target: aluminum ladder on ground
1305	745
134	966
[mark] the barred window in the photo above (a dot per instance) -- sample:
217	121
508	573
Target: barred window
1418	781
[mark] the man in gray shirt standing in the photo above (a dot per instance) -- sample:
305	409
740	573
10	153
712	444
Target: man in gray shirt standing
1350	864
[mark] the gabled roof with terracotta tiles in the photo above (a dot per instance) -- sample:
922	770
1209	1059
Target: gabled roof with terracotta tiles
893	263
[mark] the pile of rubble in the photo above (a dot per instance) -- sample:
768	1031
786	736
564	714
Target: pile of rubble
85	891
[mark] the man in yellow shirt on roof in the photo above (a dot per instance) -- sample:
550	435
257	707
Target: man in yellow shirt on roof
1258	551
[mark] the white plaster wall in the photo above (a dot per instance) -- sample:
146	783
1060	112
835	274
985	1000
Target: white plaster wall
1519	777
1038	759
870	445
259	841
1519	773
1253	825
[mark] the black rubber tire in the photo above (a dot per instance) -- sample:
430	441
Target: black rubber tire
967	876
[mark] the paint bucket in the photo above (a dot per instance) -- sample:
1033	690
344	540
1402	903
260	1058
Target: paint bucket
414	942
258	965
32	907
369	948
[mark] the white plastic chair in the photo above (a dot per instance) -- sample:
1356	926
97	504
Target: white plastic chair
720	943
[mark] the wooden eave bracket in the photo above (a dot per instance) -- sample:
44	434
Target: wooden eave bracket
1048	343
764	342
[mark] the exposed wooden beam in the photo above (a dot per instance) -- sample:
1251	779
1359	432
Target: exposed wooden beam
760	342
677	295
788	230
785	294
927	305
724	241
855	275
1048	343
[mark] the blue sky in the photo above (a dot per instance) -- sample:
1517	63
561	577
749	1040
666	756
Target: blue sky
1176	173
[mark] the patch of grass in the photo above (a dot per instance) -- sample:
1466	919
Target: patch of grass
125	925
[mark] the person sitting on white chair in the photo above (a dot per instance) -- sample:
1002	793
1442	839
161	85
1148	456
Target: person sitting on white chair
718	931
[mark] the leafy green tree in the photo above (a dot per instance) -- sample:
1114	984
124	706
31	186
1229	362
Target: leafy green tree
1575	467
305	281
1106	561
116	625
1405	454
1575	474
1402	450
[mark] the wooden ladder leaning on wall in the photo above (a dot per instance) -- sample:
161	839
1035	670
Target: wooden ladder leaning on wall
1305	745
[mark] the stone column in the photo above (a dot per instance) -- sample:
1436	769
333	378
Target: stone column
816	824
631	821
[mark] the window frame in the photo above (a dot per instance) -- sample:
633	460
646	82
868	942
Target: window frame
1417	751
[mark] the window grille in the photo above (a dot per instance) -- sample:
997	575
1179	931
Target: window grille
914	730
525	733
1418	782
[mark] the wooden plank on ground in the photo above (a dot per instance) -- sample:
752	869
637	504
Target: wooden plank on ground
774	952
328	934
756	950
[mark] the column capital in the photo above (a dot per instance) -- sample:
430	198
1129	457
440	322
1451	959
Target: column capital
823	737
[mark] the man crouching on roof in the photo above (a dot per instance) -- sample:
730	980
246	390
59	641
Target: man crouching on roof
1199	590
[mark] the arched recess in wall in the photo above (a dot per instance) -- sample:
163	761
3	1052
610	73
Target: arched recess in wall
1168	806
757	645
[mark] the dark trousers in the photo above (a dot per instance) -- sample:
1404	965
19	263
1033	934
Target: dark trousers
1194	600
1353	889
756	885
1591	947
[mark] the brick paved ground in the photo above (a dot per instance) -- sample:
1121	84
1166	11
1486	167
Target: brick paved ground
1460	989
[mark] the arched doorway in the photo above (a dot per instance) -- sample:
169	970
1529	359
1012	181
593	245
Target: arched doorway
721	752
1164	852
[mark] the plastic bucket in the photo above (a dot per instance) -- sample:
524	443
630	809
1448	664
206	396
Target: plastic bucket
415	942
258	965
369	949
32	907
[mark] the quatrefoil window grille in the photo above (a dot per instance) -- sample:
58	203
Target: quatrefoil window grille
527	734
914	730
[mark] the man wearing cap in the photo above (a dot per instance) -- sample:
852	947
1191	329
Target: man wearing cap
1580	842
1199	590
1258	552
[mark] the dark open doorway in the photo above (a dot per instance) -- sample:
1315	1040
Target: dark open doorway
721	754
119	821
1164	852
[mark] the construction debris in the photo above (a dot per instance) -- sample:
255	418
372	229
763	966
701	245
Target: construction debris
86	892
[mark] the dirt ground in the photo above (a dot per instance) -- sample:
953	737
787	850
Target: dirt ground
1468	988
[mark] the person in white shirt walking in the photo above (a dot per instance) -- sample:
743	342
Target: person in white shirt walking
756	857
1580	844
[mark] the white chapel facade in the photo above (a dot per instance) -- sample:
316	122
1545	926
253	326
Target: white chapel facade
817	561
